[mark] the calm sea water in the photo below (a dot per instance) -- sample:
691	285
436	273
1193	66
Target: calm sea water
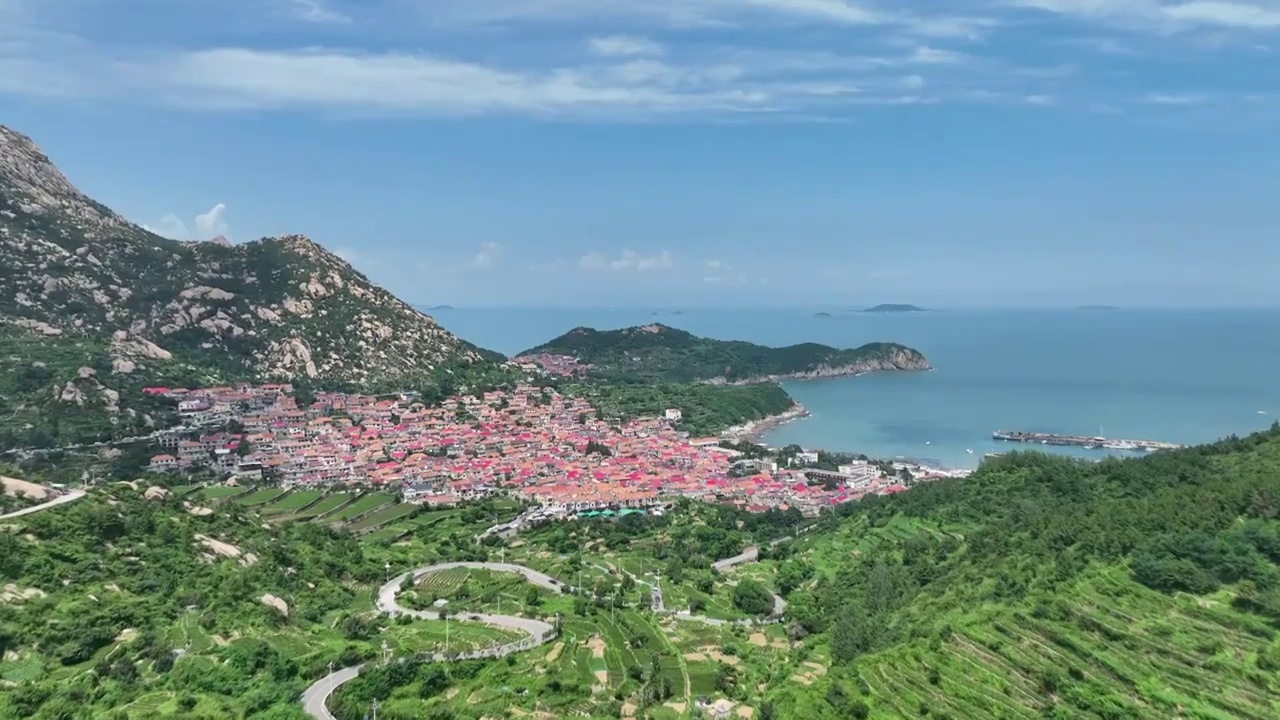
1184	376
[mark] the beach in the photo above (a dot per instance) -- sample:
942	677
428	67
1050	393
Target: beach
755	430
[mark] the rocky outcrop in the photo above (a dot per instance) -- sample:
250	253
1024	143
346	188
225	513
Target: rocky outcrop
904	359
280	308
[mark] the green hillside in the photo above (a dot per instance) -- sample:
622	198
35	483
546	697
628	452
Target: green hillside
1045	587
661	354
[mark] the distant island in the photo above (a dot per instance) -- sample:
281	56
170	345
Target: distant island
440	307
1098	307
822	314
660	354
894	308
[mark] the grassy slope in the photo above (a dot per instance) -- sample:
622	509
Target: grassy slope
1028	606
660	354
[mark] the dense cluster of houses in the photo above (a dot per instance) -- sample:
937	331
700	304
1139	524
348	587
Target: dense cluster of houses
542	446
558	365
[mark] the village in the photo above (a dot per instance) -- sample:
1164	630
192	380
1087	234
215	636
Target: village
535	444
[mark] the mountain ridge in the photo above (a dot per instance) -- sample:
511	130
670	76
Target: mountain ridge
115	305
660	353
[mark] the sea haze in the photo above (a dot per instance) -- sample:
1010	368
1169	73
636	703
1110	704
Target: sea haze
1184	376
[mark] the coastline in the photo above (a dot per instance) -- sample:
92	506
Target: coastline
755	430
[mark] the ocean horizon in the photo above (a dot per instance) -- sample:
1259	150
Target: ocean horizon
1174	375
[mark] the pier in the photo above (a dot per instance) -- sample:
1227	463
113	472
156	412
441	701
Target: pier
1084	441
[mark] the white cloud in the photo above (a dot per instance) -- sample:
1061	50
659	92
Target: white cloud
212	223
1166	16
625	46
1173	99
488	255
925	55
628	260
714	265
314	11
208	225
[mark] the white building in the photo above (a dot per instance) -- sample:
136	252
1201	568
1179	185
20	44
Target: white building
673	414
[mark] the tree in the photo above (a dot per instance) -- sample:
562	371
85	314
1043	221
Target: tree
752	598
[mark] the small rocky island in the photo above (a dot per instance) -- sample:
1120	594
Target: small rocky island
658	353
895	308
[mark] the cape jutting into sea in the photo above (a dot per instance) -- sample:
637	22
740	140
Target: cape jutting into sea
1184	376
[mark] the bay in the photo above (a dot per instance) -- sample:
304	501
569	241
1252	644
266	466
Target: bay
1185	376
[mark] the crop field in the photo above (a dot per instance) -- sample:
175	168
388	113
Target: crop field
444	583
387	533
430	636
222	492
292	502
326	504
260	497
385	516
363	505
1117	646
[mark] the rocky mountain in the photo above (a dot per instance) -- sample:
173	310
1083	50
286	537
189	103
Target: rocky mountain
658	353
94	306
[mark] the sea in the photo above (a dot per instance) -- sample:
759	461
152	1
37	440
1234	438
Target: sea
1182	376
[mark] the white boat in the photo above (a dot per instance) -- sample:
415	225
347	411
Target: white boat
969	451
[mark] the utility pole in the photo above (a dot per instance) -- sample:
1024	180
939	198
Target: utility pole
375	709
330	679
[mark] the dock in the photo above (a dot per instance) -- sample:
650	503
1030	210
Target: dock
1083	441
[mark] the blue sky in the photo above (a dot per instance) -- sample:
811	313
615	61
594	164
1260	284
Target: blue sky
686	152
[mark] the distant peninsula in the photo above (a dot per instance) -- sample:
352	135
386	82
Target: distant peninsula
894	308
660	354
436	308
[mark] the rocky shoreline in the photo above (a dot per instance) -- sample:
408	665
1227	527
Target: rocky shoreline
901	362
755	430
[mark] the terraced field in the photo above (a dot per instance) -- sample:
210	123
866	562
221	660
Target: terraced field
223	492
363	505
1114	649
260	497
327	504
292	503
384	516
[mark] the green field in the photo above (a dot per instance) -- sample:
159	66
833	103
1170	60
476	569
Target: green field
292	502
363	505
260	497
384	516
223	492
326	504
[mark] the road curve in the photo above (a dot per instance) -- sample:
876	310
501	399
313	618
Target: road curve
316	698
70	497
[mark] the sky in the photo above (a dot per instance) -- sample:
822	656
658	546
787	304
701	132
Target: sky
686	152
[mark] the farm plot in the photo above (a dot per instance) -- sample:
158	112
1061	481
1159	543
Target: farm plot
329	503
259	497
362	505
291	503
223	492
384	516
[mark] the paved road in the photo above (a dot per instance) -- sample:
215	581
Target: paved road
70	497
315	699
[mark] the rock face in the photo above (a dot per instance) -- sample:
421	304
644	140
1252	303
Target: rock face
898	358
137	307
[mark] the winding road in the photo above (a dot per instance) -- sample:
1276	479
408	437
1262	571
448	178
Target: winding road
316	698
69	497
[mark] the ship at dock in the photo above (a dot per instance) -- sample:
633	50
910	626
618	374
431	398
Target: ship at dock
1087	442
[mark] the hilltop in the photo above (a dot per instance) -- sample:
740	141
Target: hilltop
95	307
894	308
659	353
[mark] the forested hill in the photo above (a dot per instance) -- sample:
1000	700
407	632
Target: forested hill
659	353
1048	587
95	307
